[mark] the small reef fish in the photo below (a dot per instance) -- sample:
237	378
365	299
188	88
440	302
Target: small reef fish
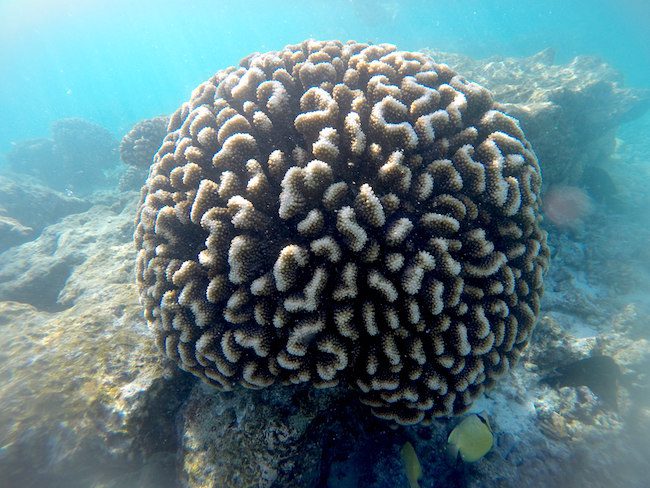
411	465
471	439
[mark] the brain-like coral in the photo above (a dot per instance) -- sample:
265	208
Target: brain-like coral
570	112
140	144
344	214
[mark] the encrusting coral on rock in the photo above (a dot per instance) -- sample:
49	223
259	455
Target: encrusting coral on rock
344	214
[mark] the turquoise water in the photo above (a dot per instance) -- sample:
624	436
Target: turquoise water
116	62
86	399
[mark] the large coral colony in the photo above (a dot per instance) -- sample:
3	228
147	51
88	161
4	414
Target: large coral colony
344	213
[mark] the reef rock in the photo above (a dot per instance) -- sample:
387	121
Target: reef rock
12	232
84	397
40	272
258	439
27	206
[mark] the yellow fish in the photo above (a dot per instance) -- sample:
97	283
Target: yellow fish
471	439
411	465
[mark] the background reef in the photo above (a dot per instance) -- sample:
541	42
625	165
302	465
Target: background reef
78	152
117	62
86	400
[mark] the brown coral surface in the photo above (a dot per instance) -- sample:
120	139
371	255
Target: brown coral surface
570	112
344	214
140	144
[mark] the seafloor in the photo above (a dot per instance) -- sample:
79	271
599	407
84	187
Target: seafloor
86	400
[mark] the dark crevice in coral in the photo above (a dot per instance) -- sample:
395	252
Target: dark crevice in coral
350	440
157	418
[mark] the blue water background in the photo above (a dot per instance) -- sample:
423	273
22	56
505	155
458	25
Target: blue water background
116	62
